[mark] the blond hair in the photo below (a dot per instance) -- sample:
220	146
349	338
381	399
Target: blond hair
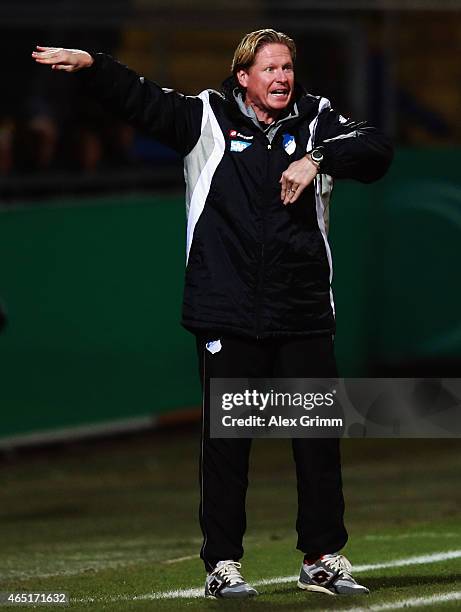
245	54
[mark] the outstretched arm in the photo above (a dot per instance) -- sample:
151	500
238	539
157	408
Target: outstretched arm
168	116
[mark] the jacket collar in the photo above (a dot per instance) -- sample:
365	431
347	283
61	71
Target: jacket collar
292	112
270	130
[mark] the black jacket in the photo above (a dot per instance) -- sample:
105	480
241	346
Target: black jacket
254	267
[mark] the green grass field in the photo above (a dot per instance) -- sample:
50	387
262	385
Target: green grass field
113	523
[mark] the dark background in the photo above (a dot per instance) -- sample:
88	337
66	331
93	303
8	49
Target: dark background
92	219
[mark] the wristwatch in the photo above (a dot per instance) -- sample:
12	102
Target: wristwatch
317	156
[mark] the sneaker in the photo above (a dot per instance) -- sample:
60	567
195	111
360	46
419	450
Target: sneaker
226	581
330	574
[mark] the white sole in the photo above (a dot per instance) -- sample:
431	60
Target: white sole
314	587
247	596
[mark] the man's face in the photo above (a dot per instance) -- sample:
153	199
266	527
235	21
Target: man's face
269	82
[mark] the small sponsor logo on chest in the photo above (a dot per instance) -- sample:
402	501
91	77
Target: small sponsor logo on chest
237	146
235	134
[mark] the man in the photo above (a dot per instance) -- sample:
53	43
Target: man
259	159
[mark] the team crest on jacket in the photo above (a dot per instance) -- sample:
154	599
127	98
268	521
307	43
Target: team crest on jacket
238	145
289	143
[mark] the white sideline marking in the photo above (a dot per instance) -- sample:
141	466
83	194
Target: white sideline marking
188	558
409	536
419	560
410	603
78	432
198	592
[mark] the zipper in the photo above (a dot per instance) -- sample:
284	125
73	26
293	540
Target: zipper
260	283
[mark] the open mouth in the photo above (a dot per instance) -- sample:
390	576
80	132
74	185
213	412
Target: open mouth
280	93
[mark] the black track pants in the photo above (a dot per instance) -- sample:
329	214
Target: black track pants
224	462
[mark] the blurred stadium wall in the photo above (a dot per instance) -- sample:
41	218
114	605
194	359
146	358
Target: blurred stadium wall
92	218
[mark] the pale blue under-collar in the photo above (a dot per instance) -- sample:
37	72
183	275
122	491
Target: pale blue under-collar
248	111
